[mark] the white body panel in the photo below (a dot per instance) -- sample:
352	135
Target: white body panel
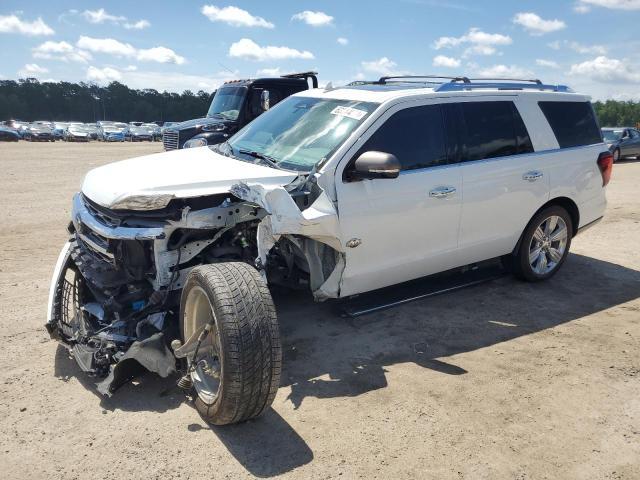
186	173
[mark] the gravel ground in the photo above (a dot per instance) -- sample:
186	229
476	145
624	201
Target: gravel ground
502	380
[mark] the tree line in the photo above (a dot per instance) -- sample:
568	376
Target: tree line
30	100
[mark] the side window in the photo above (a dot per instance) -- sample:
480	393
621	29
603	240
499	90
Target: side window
415	135
634	133
493	129
573	123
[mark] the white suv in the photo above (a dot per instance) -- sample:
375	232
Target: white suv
341	190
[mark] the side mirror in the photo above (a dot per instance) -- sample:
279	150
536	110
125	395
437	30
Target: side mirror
372	164
264	100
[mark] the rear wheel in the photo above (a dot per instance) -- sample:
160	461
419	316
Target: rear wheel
544	245
236	372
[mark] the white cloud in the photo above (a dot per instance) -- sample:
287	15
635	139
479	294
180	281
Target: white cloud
161	81
139	25
581	8
13	24
160	55
505	71
584	6
555	45
31	70
116	48
103	75
102	16
444	61
109	46
315	19
382	66
536	25
587	49
250	50
478	42
60	51
604	69
270	72
342	41
547	63
234	16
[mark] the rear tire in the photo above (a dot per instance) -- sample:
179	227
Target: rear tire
616	155
244	365
544	245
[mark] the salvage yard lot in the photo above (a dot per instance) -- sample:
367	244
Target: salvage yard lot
502	380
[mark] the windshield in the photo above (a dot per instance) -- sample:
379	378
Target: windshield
299	132
611	135
227	102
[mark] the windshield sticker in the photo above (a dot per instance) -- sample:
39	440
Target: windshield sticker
350	112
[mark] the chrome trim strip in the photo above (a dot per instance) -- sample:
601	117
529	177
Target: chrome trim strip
81	215
95	246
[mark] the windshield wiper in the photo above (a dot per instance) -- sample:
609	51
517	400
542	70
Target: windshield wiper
272	162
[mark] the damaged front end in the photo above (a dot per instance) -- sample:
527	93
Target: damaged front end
115	296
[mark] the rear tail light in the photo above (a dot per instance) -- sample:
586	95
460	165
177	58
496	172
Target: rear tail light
605	163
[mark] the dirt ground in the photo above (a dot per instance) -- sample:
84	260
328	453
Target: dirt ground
505	380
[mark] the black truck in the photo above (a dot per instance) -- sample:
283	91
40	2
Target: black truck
235	104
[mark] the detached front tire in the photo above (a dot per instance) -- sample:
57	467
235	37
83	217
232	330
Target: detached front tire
237	374
544	245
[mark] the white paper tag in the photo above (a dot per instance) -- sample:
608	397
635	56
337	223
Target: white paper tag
350	112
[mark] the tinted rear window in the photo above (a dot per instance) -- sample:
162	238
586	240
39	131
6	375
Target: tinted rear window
493	129
573	123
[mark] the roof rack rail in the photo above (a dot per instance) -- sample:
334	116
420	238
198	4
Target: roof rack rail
384	80
501	84
499	79
305	75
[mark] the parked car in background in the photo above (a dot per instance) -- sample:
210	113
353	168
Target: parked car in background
112	131
19	126
76	132
59	128
38	133
156	131
135	124
623	142
234	105
138	134
8	134
92	130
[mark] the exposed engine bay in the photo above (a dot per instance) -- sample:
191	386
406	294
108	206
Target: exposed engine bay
115	297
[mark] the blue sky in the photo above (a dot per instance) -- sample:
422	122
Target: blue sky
592	45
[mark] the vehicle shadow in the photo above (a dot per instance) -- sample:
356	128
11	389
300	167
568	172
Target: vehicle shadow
266	447
145	393
326	355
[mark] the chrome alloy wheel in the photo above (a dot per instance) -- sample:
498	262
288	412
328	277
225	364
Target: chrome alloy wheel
207	368
548	244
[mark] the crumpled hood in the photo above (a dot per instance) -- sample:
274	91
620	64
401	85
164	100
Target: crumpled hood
150	182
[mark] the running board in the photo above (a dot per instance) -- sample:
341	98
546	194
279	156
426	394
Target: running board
421	288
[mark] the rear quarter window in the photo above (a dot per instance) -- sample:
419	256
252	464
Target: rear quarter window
573	123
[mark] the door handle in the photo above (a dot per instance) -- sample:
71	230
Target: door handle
532	176
442	192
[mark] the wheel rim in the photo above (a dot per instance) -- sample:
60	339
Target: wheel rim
207	370
548	244
616	155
